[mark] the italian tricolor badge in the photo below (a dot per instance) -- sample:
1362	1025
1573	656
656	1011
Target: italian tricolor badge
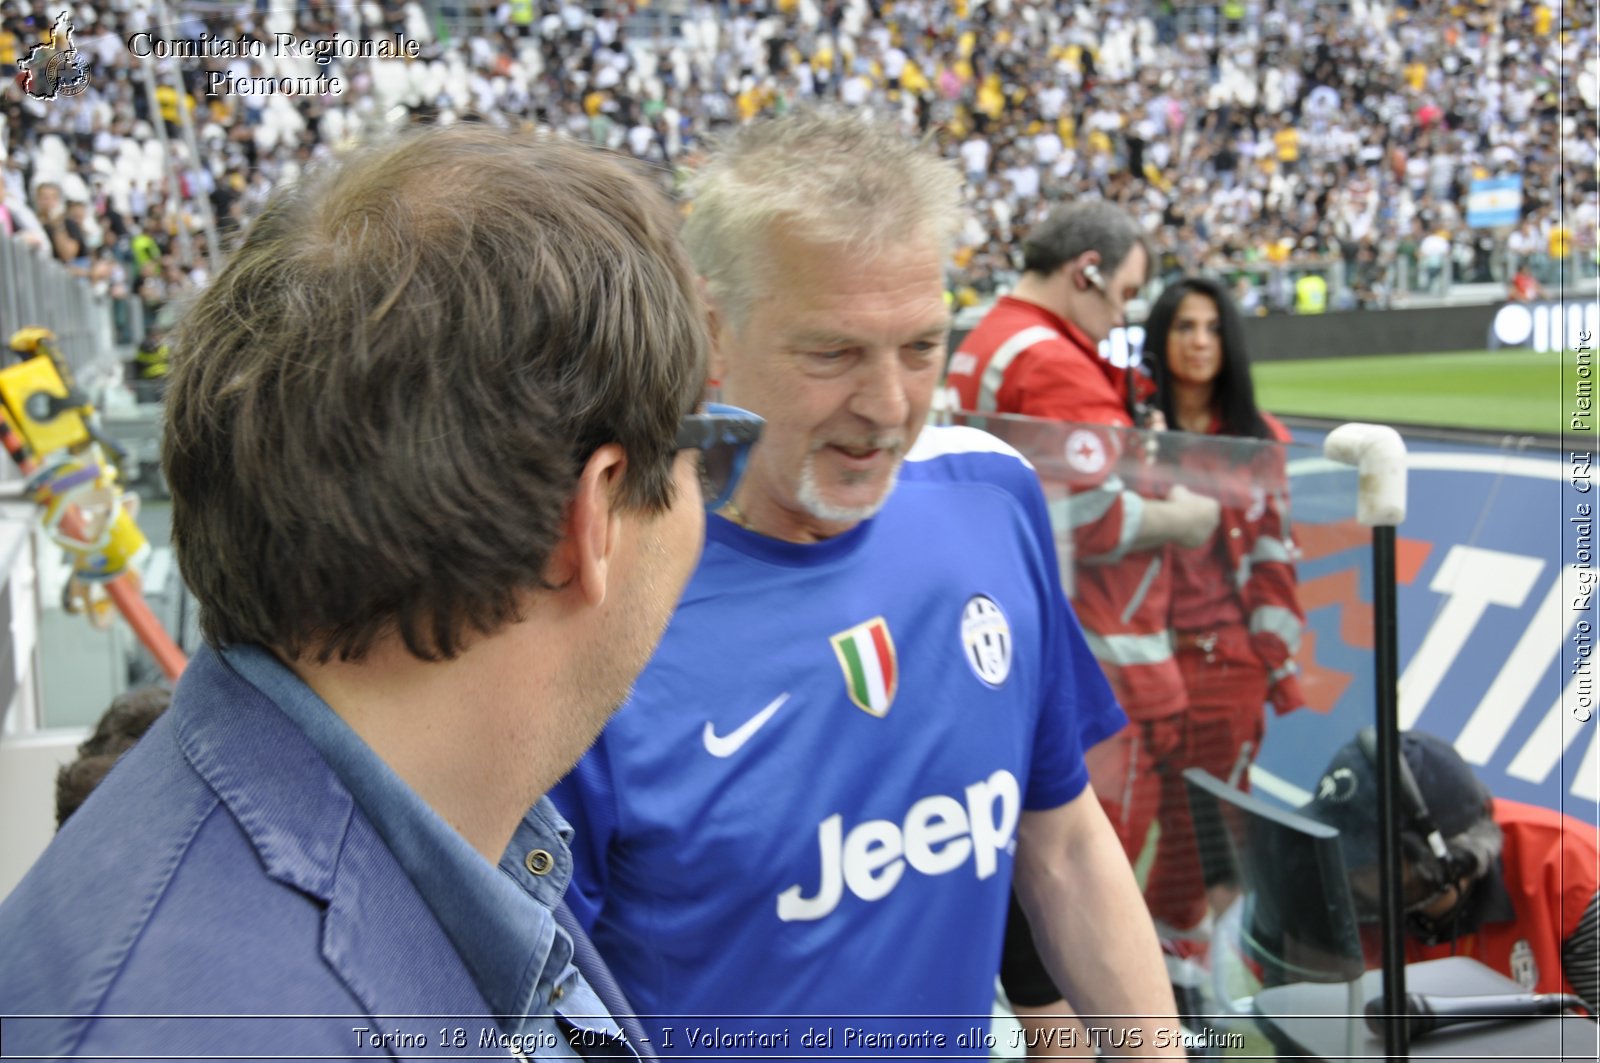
871	675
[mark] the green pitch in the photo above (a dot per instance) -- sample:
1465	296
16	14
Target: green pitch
1510	390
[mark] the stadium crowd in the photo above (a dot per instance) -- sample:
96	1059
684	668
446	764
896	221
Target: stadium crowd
1253	139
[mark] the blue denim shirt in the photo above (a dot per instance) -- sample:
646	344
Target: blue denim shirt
499	919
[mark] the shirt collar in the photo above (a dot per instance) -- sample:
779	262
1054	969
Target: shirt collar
499	919
1059	323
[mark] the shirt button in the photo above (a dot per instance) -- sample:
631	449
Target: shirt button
557	993
538	861
1233	533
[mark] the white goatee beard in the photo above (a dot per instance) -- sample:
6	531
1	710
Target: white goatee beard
810	497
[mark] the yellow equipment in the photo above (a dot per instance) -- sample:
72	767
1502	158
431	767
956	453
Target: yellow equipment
47	426
54	442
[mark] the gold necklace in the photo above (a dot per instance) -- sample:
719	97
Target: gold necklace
735	514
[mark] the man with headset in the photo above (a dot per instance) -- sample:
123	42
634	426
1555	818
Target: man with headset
1036	352
1511	885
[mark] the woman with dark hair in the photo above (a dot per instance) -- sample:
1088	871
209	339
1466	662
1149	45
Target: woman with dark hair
1194	348
1235	618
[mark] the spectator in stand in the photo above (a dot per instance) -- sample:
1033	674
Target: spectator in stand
1369	288
1247	296
1433	259
1524	286
65	234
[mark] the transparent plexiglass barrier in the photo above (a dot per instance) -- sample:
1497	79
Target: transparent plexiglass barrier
1224	585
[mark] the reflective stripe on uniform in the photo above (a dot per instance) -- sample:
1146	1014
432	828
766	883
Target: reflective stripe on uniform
1276	620
1086	507
1132	517
994	374
1151	571
1123	650
1060	514
1267	548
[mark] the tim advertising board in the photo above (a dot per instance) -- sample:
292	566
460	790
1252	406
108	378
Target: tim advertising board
1497	622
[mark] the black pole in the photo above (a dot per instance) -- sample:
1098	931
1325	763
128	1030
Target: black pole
1396	1035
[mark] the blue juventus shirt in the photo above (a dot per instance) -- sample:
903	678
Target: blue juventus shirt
806	815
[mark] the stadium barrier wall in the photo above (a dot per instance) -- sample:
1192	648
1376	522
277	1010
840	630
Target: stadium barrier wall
1430	330
1282	337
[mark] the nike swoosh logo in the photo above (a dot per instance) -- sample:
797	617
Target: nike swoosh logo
729	744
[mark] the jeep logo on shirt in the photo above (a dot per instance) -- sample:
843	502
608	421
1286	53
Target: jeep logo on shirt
938	835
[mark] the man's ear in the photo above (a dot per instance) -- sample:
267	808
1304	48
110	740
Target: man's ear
716	324
594	523
1076	268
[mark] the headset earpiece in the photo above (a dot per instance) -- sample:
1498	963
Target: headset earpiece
1091	276
1415	810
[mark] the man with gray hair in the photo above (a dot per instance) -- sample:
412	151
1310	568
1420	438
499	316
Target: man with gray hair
868	714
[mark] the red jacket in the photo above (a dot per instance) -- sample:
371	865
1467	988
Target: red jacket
1024	359
1245	573
1548	868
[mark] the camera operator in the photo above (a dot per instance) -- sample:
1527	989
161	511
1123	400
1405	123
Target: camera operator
1511	885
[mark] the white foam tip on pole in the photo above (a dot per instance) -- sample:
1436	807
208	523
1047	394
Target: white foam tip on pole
1379	455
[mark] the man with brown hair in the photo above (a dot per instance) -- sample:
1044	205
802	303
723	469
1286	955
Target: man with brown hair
432	455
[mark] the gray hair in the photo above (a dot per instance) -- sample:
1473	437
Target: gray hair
1478	845
1093	225
826	175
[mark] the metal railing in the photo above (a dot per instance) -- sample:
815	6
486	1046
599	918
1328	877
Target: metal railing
656	21
35	290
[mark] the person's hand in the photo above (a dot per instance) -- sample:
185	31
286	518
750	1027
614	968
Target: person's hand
1197	515
1286	696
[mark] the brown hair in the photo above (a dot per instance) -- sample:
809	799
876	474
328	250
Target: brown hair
378	411
124	723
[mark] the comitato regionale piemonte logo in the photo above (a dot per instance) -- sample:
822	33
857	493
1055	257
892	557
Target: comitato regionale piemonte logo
56	69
